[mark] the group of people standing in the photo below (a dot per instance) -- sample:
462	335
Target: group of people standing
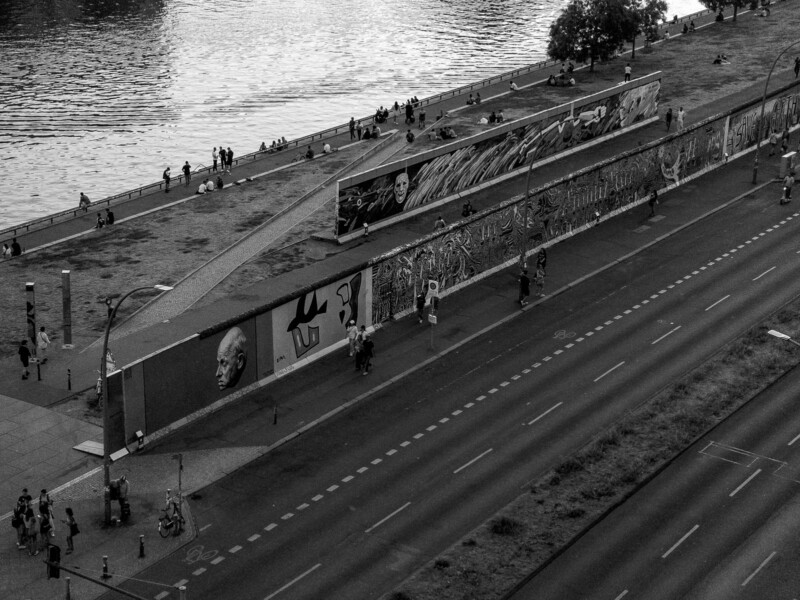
25	355
13	250
360	346
35	528
525	281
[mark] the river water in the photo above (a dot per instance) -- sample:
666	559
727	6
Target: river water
100	96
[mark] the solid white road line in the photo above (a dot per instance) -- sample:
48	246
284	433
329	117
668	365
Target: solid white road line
744	483
718	301
794	440
387	517
622	595
204	527
665	335
609	371
480	456
680	541
293	581
764	273
552	408
761	566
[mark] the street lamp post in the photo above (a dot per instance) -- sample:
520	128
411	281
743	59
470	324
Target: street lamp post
763	106
782	336
106	415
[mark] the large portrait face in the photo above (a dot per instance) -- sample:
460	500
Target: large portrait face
231	358
401	188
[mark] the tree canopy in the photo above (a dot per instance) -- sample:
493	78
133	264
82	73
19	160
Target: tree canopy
719	5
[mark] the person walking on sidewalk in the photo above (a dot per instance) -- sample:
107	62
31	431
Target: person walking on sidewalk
167	178
421	304
668	118
368	350
223	158
187	172
540	282
541	260
359	349
352	334
18	521
653	201
352	128
628	72
24	357
680	117
214	157
72	529
524	287
788	182
230	160
773	142
422	118
32	531
42	342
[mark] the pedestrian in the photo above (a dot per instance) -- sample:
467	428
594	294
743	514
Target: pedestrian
541	260
46	529
395	111
785	140
439	224
352	128
45	504
18	521
352	334
773	142
360	347
220	183
788	182
409	112
540	281
72	529
410	136
187	172
524	287
421	304
84	202
109	217
422	118
668	118
42	342
24	357
359	130
230	159
652	202
680	118
796	66
214	157
32	531
514	87
100	223
223	158
6	251
16	249
628	72
167	178
368	351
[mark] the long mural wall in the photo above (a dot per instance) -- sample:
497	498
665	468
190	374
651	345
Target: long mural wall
494	237
403	188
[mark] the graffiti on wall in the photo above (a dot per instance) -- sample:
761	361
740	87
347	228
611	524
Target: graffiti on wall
779	113
553	212
432	179
317	319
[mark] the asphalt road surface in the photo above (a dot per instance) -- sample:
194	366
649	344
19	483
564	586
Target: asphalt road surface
355	506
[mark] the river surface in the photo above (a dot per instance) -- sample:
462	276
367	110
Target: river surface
100	96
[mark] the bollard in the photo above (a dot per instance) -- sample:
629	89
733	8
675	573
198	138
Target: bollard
69	379
67	597
141	546
182	591
275	415
105	568
38	371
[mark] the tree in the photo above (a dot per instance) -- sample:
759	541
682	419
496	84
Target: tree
719	5
645	15
590	30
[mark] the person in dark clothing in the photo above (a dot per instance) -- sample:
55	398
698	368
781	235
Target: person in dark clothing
167	178
420	305
187	172
24	357
109	217
230	159
16	249
524	287
368	350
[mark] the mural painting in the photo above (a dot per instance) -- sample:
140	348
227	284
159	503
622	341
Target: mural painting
317	319
555	211
466	166
779	113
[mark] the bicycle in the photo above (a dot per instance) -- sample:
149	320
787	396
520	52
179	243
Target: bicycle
171	520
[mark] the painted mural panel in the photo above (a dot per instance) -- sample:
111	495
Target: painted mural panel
779	113
317	319
416	185
554	212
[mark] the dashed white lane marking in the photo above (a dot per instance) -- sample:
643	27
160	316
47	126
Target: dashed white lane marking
455	413
515	377
504	383
443	420
761	566
333	488
431	428
680	541
272	526
217	560
598	328
607	323
387	517
764	273
627	311
546	358
569	345
559	351
622	595
404	444
794	440
580	339
665	335
199	571
181	583
293	581
378	461
391	452
477	458
469	405
287	516
318	497
545	413
204	527
479	398
526	371
717	302
235	549
418	435
617	366
347	479
536	365
162	595
588	334
493	391
254	537
744	483
303	506
362	470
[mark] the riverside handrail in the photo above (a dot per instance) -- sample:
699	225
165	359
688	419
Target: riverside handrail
330	132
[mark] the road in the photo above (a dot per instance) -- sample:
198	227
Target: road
353	507
719	523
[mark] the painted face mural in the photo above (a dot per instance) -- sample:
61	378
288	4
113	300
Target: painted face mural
231	358
401	188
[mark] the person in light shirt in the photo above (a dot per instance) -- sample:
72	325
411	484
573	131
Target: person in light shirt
326	148
201	189
209	183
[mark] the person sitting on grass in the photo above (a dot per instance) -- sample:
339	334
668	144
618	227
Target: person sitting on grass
309	153
514	87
